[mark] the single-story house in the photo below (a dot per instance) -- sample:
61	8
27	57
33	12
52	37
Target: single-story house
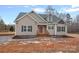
39	24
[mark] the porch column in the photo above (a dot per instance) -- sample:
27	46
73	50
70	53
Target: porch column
55	29
43	30
65	29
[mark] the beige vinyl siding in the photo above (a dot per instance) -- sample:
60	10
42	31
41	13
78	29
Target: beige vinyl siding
26	21
31	21
62	30
36	17
51	29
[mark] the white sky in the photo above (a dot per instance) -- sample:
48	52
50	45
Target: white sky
39	2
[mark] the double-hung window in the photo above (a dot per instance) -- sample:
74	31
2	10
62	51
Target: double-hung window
51	27
29	28
23	28
60	29
26	28
63	29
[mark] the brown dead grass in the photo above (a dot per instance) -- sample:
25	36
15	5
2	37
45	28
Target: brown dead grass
69	45
59	45
6	33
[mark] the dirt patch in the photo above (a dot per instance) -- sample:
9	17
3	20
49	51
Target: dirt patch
62	36
24	36
65	45
42	45
34	36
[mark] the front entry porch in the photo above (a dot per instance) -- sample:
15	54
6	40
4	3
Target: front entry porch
42	30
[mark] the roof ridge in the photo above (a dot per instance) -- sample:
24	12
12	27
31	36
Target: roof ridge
44	16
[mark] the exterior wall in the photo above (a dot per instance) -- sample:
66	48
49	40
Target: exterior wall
36	17
26	21
61	33
51	31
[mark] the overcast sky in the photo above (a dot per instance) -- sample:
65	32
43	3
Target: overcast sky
10	12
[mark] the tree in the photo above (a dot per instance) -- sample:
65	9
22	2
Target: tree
11	28
50	10
62	15
77	18
68	17
2	25
1	21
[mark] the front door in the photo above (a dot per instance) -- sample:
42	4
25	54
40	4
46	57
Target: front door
42	30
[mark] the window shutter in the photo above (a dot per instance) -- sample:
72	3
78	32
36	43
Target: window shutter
22	28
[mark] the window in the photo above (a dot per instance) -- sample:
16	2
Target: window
60	29
26	28
63	29
29	28
23	28
50	27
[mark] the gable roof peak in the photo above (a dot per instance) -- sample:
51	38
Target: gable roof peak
61	21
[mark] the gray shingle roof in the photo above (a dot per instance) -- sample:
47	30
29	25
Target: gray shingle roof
43	16
20	15
54	17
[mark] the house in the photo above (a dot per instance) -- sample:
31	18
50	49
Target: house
39	24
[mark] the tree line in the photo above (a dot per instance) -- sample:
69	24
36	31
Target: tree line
72	23
4	27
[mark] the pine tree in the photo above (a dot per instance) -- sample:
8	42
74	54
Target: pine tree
11	29
68	17
1	21
2	25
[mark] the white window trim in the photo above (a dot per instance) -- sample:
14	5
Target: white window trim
61	29
25	28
